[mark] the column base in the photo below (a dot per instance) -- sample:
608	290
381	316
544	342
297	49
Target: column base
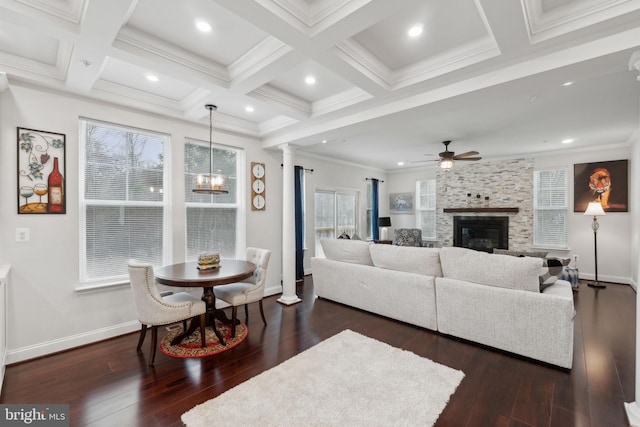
289	300
633	413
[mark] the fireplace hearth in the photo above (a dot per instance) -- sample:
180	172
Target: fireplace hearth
481	233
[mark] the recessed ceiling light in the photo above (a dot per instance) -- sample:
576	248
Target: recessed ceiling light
567	141
400	163
248	109
567	83
152	78
310	80
324	141
203	26
415	31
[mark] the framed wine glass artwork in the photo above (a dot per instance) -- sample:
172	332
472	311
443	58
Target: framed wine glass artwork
41	172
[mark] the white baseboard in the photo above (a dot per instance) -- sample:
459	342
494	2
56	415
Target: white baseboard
607	278
53	346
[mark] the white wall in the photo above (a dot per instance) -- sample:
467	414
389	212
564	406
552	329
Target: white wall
328	174
634	201
45	312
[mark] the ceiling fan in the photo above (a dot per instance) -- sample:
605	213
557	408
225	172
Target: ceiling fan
447	158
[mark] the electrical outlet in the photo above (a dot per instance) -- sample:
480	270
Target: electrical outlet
22	234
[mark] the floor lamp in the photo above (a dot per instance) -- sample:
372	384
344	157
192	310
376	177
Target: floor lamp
595	209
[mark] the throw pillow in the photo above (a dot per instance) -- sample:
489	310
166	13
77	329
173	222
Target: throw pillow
551	270
355	237
344	235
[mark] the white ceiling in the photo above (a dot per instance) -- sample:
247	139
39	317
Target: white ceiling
487	74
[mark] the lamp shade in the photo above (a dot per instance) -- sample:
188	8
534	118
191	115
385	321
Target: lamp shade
594	209
384	221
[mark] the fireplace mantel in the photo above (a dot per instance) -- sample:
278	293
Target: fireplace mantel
480	210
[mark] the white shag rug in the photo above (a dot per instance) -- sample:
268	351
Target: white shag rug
346	380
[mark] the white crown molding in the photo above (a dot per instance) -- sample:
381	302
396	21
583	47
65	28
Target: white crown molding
4	82
462	56
276	123
273	95
56	71
72	13
115	91
339	101
300	152
138	40
264	53
543	25
354	54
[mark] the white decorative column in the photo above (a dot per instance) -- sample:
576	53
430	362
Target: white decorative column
633	408
289	296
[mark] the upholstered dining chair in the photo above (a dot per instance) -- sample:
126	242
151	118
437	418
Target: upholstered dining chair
251	290
155	310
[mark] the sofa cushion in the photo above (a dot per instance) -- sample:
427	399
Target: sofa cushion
353	251
502	271
424	261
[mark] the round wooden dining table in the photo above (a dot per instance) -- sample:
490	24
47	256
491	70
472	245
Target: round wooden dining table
187	275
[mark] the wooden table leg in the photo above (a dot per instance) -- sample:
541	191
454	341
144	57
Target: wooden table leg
210	300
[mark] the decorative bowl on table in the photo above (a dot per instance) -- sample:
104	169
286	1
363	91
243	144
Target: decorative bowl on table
208	260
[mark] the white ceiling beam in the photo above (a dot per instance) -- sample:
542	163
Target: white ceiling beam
100	25
505	23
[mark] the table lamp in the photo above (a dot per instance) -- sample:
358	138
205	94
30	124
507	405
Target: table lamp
383	223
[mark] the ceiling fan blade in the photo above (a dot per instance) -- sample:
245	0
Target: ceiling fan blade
467	154
467	158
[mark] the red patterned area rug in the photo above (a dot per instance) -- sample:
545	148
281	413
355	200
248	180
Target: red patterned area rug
190	346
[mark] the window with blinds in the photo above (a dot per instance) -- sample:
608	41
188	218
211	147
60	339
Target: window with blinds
213	222
123	201
336	213
550	208
426	208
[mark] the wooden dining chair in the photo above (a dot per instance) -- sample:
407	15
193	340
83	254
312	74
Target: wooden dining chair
251	290
155	310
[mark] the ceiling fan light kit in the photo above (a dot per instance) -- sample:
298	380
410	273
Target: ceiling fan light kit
448	158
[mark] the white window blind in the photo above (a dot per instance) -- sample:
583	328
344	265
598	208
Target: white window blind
550	206
213	222
336	212
123	199
426	208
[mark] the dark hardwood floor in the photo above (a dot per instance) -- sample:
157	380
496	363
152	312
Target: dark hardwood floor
109	384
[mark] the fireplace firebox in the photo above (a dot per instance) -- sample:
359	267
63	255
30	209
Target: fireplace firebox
482	233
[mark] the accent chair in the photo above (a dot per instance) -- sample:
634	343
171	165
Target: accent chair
155	310
249	291
407	237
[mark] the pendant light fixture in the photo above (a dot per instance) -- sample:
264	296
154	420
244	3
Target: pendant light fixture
211	183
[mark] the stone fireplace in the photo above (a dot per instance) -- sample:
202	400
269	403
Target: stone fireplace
482	233
487	189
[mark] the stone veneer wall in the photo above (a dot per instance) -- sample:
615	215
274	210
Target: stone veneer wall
507	183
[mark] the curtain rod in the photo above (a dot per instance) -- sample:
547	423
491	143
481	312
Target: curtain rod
371	179
305	169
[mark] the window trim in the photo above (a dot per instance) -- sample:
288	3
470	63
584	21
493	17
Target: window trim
419	209
239	205
536	244
86	284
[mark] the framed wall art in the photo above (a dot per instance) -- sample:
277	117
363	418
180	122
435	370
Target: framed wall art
604	182
41	172
400	203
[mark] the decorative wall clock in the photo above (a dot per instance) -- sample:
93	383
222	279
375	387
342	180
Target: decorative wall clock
258	186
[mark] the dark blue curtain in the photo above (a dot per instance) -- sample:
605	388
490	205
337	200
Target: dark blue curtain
298	188
375	205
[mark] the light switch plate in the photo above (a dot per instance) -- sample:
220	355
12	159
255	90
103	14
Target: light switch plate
22	234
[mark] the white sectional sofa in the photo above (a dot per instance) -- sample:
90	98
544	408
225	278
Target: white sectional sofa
490	299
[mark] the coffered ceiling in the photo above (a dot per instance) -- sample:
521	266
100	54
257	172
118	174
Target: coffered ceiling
487	74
